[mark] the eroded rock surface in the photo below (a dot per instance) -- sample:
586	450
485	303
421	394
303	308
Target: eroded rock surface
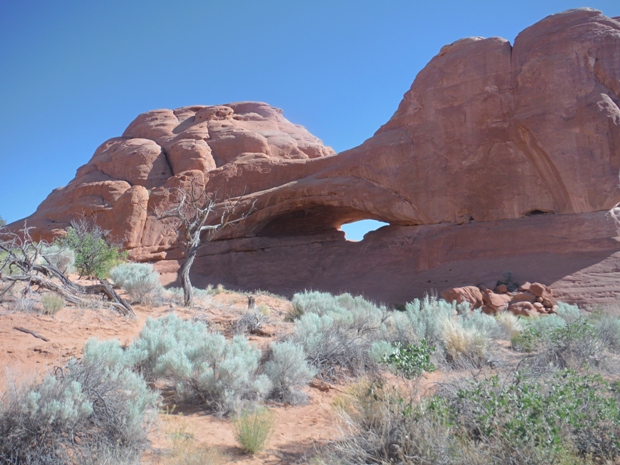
518	145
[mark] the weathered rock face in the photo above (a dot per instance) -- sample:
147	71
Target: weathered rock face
129	176
488	135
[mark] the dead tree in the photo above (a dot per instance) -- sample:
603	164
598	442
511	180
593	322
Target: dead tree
23	261
192	211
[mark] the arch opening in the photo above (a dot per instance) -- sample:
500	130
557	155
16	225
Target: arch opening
320	219
356	231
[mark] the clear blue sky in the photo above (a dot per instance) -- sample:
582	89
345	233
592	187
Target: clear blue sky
74	73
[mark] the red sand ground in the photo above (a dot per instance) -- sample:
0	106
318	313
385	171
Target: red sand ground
298	430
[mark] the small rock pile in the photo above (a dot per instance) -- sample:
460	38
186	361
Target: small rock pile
529	299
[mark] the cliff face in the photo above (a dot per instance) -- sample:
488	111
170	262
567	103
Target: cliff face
500	157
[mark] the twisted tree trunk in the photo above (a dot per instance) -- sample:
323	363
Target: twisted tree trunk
188	291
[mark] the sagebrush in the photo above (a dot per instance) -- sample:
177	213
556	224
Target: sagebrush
87	411
201	366
140	281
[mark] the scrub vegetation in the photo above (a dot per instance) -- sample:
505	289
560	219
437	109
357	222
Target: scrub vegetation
506	389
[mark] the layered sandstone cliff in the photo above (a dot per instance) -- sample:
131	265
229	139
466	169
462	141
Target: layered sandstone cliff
500	157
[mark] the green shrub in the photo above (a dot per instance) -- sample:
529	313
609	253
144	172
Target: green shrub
2	222
535	331
288	370
83	413
411	360
565	418
575	345
52	303
558	344
507	280
253	429
547	413
382	424
139	280
94	255
222	375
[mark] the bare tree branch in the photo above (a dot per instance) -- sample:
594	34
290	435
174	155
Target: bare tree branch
193	210
22	262
29	331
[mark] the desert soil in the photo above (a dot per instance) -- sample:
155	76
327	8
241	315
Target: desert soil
299	431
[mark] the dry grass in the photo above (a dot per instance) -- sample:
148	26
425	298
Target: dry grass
464	346
510	324
52	303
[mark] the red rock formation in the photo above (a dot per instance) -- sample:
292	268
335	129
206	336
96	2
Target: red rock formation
498	158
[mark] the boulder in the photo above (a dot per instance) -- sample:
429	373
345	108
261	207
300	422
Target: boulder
501	289
523	309
544	294
538	289
523	297
469	294
493	302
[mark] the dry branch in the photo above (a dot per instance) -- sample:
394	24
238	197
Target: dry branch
22	253
29	331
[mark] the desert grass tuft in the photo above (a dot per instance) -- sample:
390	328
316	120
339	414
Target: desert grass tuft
52	303
253	429
464	346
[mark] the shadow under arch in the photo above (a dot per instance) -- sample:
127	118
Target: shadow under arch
315	219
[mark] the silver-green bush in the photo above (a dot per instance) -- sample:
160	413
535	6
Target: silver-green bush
139	280
461	337
343	305
204	296
85	411
420	320
608	329
331	344
336	332
569	313
62	258
288	371
202	366
486	324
